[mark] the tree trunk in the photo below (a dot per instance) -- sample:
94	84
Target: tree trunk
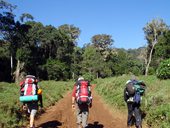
97	75
73	75
149	60
17	72
11	67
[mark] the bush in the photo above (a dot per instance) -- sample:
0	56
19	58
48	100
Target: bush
88	76
163	71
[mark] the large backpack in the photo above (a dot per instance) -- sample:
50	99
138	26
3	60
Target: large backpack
83	92
134	86
28	90
135	89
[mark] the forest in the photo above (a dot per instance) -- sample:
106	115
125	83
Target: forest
50	53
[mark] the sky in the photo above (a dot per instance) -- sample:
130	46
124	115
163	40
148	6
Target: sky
124	20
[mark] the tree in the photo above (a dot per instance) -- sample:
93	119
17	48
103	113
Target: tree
7	28
70	35
153	31
4	61
6	6
103	43
26	17
92	61
76	64
72	31
162	50
15	33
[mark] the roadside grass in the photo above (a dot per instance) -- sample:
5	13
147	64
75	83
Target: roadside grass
11	114
155	103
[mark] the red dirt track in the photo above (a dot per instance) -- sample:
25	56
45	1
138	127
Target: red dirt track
63	116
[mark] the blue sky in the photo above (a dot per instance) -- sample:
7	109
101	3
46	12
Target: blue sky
122	19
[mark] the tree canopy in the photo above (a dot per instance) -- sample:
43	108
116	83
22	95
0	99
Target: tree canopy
51	53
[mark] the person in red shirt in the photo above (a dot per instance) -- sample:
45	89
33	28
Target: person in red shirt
81	101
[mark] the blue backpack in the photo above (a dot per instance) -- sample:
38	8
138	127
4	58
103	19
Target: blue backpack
137	98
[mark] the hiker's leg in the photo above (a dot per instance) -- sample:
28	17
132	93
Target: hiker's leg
32	116
33	107
130	114
84	118
138	117
31	121
79	117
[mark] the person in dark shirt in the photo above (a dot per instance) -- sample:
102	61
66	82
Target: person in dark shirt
134	114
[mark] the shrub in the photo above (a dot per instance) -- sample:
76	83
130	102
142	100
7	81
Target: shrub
163	71
88	76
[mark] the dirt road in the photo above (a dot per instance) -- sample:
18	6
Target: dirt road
62	116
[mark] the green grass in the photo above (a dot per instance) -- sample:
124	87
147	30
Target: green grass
155	103
11	115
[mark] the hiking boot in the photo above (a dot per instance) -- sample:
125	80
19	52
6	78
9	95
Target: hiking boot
139	126
129	126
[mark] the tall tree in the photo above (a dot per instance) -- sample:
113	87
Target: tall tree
162	50
7	27
77	59
153	31
5	6
92	61
103	43
26	17
72	31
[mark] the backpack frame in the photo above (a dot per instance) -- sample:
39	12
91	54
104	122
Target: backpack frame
83	92
28	90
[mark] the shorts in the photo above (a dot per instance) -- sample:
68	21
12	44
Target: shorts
32	108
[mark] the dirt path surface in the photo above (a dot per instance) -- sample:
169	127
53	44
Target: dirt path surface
62	116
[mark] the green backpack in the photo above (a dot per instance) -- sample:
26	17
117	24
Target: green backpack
140	87
134	86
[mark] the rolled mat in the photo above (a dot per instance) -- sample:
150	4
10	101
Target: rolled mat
28	98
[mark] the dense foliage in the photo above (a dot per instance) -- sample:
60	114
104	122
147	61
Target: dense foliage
163	71
51	53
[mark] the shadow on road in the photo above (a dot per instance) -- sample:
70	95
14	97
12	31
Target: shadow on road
50	124
95	125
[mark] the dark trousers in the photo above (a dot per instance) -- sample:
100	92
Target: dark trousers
134	115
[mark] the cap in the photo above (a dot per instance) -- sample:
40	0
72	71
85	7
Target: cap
128	81
80	78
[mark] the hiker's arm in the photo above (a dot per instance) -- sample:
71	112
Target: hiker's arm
41	101
74	95
125	95
73	100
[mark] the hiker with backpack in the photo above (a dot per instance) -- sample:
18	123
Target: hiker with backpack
82	101
133	93
30	95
